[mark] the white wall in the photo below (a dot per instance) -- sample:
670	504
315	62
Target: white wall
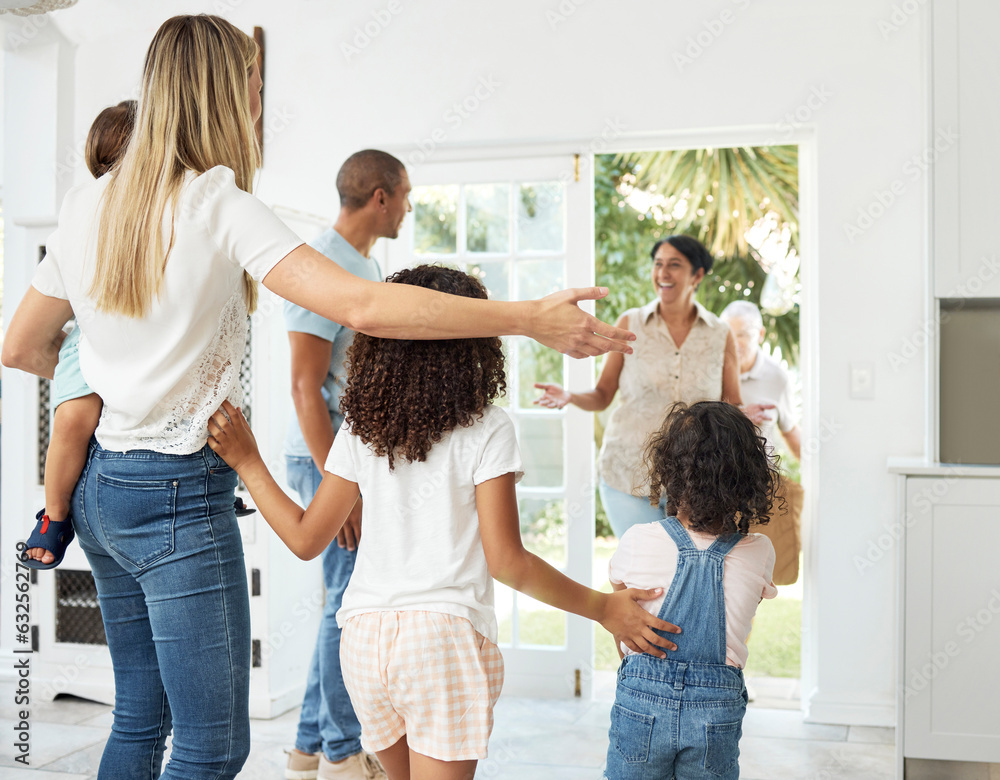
564	71
1	124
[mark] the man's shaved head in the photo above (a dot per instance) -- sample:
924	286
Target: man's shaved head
363	173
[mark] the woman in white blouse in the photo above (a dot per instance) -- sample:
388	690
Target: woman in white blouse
683	352
160	262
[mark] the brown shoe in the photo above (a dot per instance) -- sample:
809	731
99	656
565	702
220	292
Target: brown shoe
301	766
360	766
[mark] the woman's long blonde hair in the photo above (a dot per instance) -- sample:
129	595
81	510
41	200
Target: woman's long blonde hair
193	114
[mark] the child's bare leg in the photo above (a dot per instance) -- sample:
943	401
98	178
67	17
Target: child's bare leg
426	768
396	760
74	423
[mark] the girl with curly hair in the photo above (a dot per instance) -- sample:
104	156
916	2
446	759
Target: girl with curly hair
682	717
436	462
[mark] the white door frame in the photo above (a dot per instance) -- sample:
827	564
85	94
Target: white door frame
533	670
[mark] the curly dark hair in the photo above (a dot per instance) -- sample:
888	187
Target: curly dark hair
403	396
712	464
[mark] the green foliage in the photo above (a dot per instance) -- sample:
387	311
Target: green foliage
537	363
546	526
625	237
775	642
435	213
602	526
716	195
540	627
623	241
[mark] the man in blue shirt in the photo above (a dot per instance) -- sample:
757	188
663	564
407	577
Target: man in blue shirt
374	198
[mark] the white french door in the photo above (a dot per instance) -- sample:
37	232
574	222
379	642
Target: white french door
525	227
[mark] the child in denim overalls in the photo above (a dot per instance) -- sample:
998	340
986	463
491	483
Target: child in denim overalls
681	717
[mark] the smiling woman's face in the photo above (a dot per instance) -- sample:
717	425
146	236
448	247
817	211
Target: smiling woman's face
672	276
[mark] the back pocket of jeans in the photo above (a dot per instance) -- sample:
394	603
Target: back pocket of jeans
631	732
137	517
722	750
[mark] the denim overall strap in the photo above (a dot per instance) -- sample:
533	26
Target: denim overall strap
725	544
696	601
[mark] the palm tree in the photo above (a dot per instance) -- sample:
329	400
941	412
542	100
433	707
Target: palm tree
719	196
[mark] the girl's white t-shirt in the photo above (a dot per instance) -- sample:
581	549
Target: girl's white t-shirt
162	376
420	545
647	558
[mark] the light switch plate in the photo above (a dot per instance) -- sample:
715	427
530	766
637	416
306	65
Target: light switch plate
862	380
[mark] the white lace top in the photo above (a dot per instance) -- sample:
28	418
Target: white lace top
162	376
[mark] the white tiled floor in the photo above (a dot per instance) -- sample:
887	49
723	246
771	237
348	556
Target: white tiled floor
532	739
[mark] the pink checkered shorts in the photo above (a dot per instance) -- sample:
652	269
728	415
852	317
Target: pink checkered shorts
428	675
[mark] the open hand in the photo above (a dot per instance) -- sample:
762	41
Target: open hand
558	322
552	397
633	625
756	413
230	437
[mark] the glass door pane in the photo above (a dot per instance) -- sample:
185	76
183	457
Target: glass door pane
515	224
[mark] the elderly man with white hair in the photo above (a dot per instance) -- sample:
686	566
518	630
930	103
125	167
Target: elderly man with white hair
764	381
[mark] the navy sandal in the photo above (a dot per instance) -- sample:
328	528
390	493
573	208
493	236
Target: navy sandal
241	509
52	535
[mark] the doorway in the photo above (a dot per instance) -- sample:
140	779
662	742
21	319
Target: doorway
742	203
463	217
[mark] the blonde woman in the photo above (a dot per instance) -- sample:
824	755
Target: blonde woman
159	262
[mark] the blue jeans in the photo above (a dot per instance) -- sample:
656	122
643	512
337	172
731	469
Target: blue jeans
625	510
161	537
673	719
327	721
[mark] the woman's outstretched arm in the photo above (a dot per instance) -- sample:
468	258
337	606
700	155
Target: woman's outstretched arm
313	281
